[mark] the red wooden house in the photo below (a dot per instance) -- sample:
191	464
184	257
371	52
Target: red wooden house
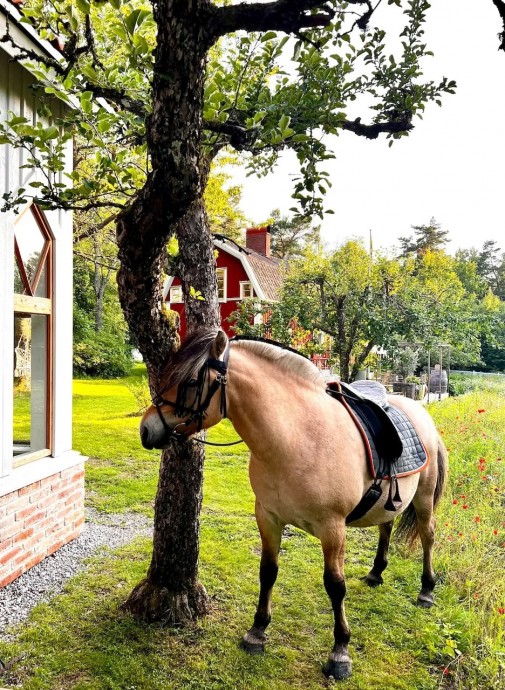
242	272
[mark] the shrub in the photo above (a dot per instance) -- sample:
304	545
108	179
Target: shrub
103	355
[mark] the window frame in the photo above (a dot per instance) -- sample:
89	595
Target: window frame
243	283
28	304
179	290
224	273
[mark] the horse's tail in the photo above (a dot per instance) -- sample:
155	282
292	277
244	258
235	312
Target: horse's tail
407	524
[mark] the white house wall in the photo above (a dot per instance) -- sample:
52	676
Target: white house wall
17	97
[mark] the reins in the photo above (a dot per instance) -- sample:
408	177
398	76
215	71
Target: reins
198	415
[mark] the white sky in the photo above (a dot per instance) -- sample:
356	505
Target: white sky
450	167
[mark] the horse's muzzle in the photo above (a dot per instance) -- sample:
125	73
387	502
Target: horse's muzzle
144	437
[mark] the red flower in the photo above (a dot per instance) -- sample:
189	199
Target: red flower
464	507
455	501
501	610
477	518
481	411
495	532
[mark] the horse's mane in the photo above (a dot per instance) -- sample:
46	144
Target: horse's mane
189	358
195	351
289	360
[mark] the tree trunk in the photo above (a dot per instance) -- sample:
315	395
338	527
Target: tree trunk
171	200
171	592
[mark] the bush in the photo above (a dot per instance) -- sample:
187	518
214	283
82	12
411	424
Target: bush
103	355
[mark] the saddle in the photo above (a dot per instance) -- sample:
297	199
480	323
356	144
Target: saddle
392	445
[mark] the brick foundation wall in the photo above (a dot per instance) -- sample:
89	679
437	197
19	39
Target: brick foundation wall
38	519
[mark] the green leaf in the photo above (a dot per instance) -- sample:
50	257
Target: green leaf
49	133
268	36
284	123
84	6
135	20
116	4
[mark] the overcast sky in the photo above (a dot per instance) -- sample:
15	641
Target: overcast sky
452	166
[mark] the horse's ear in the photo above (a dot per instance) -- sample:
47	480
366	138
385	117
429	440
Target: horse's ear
219	344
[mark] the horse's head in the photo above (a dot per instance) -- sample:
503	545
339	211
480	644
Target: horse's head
192	391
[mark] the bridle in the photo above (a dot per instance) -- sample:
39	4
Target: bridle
197	411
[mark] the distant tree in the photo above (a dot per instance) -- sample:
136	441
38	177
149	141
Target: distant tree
491	266
222	203
426	238
290	236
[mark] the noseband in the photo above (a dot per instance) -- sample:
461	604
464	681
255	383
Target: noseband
199	408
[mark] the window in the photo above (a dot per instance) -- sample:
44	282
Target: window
176	294
221	284
246	289
32	336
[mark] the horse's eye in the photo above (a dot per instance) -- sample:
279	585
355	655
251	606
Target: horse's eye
192	384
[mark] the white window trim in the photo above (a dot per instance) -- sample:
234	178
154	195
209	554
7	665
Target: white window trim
242	284
175	301
225	283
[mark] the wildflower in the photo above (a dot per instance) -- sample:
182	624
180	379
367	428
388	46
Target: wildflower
501	610
476	595
476	518
455	501
495	532
464	506
481	411
460	534
446	671
463	496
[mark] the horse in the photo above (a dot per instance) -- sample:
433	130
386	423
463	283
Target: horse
308	465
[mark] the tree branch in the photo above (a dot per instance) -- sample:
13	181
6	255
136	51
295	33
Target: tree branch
500	6
288	16
373	131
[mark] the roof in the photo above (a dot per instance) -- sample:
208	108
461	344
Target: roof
268	273
23	32
263	271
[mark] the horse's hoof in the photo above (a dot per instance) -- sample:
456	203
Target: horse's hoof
253	643
340	670
373	580
425	601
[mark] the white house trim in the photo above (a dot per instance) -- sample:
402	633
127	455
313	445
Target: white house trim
242	256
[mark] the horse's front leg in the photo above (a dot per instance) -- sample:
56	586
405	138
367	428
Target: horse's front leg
271	532
374	577
339	664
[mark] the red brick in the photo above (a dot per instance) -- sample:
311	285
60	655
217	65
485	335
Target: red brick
10	577
9	555
24	513
8	498
5	544
76	497
77	476
35	542
20	536
44	501
29	489
33	560
34	518
57	545
16	505
48	481
59	484
10	529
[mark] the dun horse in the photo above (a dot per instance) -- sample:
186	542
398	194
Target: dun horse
308	464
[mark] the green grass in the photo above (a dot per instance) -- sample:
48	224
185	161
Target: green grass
82	641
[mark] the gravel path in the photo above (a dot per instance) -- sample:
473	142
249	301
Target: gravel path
48	578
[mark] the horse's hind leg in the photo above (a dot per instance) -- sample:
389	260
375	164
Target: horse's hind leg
339	664
426	529
271	532
374	577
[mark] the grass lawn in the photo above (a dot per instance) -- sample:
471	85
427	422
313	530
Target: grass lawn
81	640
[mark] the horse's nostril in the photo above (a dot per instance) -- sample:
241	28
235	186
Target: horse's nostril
144	437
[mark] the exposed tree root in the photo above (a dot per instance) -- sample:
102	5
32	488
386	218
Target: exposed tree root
152	603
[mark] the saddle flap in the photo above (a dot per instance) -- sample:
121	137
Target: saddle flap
384	433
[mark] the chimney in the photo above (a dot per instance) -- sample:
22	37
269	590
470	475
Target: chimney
258	239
